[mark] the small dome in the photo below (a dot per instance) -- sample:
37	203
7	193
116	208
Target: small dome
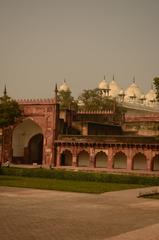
133	91
151	96
121	92
103	84
114	88
142	97
64	87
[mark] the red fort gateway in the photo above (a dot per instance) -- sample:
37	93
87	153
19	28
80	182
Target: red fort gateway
50	137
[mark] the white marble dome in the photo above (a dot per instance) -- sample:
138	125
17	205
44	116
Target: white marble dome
114	88
142	97
64	87
122	92
103	84
150	96
133	91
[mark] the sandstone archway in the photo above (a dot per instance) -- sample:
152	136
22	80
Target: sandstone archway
66	158
139	162
101	160
155	163
22	143
83	159
35	149
120	160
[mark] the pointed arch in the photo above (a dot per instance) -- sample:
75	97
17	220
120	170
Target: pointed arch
22	135
66	158
35	149
155	163
101	160
83	159
120	160
139	161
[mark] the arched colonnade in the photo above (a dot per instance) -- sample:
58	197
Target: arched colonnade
126	159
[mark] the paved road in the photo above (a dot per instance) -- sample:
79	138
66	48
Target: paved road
28	214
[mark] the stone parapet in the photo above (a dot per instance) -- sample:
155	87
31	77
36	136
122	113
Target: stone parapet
36	101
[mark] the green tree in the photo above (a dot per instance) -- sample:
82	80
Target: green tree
66	100
9	111
93	100
156	84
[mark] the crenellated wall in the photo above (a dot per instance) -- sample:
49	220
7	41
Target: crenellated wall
47	101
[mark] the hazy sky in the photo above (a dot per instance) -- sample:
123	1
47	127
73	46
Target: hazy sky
44	41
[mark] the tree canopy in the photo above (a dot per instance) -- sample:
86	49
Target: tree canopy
9	111
92	100
66	100
156	84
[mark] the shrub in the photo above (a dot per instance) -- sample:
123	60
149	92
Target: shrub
79	176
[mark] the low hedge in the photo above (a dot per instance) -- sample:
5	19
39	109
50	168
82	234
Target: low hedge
80	176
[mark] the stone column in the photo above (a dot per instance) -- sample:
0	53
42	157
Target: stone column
58	162
74	157
110	158
149	159
47	151
92	161
129	159
74	160
149	165
92	158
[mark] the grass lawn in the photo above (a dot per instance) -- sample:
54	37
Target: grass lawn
64	185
